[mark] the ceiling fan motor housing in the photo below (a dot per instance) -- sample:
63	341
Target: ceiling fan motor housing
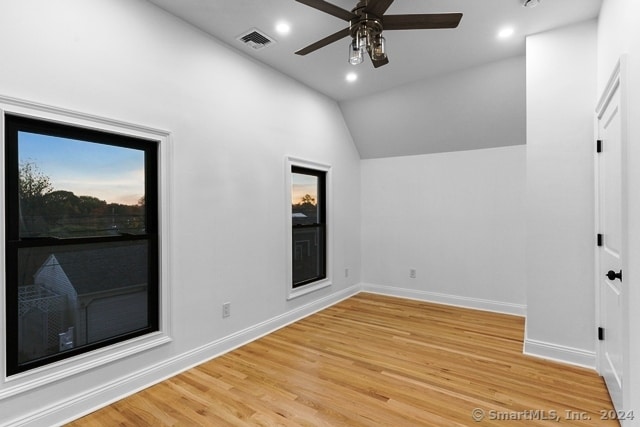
365	21
366	28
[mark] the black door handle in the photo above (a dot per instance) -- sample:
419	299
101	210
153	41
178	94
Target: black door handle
612	275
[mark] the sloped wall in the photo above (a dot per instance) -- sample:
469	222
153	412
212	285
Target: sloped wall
479	107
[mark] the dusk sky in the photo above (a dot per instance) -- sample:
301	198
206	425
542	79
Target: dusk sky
110	173
303	184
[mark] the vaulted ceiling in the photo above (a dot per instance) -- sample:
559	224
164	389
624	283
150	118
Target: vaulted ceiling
418	58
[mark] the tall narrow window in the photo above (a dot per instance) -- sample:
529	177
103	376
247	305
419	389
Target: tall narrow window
81	240
308	212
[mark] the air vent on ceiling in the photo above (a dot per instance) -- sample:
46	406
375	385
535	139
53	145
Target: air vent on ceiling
256	39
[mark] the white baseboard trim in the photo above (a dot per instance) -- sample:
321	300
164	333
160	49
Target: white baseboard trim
455	300
560	353
76	406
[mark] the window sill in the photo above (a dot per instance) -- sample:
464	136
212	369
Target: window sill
23	382
307	289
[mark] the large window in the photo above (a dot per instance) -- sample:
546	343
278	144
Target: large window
308	218
81	240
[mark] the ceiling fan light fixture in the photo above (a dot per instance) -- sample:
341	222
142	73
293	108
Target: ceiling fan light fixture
356	54
378	51
362	36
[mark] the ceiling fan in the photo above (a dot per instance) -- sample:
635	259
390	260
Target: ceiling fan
366	23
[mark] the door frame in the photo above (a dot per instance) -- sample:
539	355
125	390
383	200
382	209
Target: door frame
617	81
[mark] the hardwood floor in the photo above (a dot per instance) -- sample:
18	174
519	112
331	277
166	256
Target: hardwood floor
374	360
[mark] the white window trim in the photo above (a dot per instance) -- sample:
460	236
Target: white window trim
293	293
38	377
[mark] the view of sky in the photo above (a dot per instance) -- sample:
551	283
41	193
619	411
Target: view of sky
110	173
301	185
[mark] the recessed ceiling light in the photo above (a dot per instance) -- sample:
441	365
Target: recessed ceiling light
505	33
283	28
352	77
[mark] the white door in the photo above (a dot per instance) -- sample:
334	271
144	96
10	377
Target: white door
611	284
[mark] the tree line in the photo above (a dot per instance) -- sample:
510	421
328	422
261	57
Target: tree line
308	207
45	210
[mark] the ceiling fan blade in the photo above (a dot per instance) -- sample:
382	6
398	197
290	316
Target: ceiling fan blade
378	7
325	41
421	22
329	8
380	62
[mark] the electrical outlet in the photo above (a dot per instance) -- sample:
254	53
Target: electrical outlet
412	273
226	309
346	272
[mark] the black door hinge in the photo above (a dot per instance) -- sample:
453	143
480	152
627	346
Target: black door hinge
601	334
599	239
599	146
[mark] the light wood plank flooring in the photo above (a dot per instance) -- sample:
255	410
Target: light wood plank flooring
375	360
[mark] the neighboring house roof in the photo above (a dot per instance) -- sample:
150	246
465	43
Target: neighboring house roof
106	268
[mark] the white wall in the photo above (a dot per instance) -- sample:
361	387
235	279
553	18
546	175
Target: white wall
480	107
232	121
561	98
456	218
619	33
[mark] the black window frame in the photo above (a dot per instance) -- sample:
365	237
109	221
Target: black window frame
320	225
15	123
